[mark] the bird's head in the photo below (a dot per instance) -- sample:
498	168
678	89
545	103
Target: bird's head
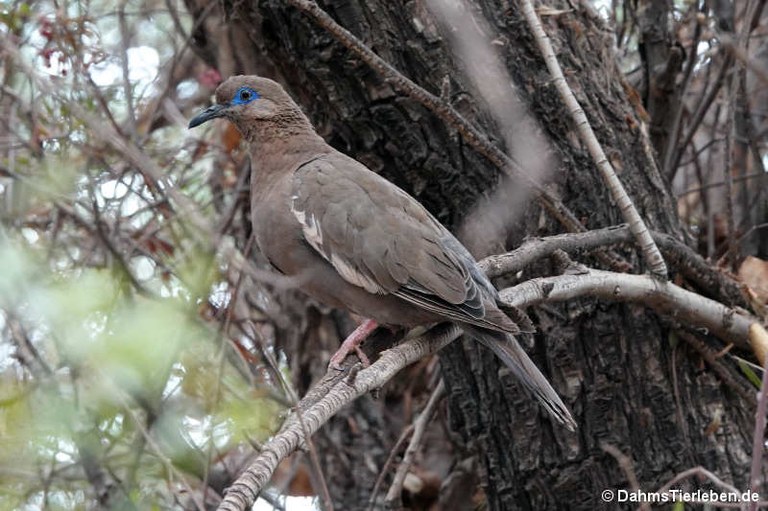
245	100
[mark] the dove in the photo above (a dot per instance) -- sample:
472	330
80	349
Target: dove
355	241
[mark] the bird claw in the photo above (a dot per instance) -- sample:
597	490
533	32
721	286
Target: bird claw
338	358
363	357
352	342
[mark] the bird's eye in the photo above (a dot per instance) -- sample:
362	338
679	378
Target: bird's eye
244	95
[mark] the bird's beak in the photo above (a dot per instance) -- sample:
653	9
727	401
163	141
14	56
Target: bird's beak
206	115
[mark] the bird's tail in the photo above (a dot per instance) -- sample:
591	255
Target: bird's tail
511	353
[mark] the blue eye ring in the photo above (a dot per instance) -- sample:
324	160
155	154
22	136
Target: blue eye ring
245	95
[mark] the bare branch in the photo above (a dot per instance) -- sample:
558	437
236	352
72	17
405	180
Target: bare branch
674	130
713	359
244	491
627	208
663	297
701	472
758	440
419	426
682	258
698	117
387	464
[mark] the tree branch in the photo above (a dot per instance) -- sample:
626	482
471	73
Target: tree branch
681	257
698	117
419	426
243	493
627	208
661	296
758	440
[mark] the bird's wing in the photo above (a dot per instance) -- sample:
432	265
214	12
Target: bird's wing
379	238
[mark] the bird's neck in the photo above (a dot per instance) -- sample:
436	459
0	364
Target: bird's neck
277	149
292	130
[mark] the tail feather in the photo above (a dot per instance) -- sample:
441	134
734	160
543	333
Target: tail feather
511	353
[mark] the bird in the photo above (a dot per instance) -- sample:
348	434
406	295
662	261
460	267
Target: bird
356	241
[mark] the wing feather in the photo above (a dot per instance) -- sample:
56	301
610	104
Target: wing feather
379	238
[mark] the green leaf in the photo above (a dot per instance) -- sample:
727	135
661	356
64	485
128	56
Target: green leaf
256	418
142	343
750	374
199	273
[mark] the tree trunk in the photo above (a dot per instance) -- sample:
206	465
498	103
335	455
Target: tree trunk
620	368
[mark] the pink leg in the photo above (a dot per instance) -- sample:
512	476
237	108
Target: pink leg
352	342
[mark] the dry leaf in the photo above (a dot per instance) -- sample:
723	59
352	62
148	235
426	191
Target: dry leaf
758	339
754	273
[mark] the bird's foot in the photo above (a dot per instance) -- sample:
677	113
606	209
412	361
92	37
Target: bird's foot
352	343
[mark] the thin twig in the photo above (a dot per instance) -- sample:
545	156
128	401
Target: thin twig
676	389
709	355
701	472
674	131
730	112
122	399
325	494
705	474
217	391
745	177
385	468
625	463
419	427
758	439
733	121
698	117
743	57
124	45
648	247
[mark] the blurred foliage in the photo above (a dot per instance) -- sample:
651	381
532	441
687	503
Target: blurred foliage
117	388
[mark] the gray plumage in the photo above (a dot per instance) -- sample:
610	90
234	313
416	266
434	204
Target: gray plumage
356	241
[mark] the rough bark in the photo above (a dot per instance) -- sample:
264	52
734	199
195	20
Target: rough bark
616	366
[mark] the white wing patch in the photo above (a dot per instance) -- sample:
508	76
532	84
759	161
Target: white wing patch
353	276
309	225
314	235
